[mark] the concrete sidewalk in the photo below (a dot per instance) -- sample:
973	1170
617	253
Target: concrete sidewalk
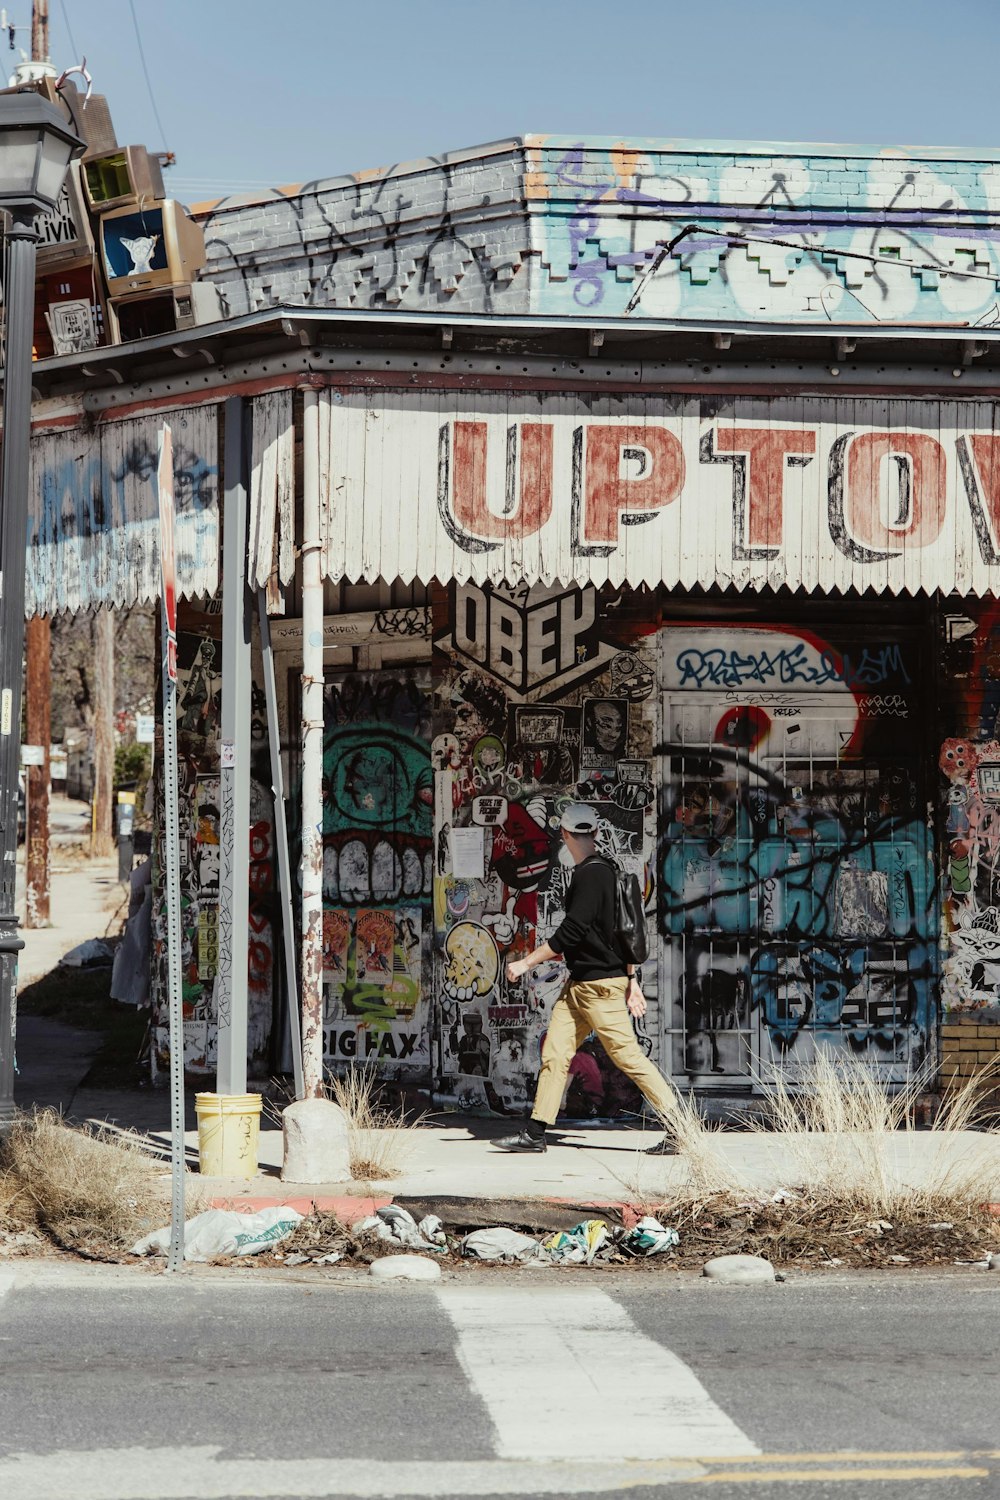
448	1158
85	894
454	1159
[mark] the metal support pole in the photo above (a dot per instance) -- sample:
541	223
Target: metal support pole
19	307
281	839
172	886
312	756
234	771
37	786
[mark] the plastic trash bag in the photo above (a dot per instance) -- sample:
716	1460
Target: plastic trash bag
501	1244
579	1245
649	1237
95	953
222	1231
394	1224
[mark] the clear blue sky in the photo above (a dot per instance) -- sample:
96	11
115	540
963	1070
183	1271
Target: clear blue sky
251	93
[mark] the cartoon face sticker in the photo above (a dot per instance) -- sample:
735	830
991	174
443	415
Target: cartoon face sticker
958	759
473	965
141	250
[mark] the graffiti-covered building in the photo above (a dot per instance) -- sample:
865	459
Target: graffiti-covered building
660	475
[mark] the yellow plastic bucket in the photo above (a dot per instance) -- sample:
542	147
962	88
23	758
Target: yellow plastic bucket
228	1134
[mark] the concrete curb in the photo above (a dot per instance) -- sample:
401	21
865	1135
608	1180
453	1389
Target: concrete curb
551	1212
480	1211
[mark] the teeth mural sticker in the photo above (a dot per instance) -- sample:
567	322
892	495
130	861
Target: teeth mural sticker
378	867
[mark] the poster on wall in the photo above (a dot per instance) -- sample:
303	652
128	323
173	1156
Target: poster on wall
604	732
207	849
336	941
374	939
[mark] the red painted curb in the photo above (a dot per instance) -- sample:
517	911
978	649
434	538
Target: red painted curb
348	1210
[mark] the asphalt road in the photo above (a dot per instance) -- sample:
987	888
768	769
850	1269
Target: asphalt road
135	1386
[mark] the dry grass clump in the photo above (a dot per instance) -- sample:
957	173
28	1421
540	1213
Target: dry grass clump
708	1171
92	1192
851	1142
377	1133
806	1232
861	1182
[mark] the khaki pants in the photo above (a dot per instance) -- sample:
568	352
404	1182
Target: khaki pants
595	1005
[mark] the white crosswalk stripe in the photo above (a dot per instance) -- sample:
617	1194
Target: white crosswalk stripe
580	1401
567	1375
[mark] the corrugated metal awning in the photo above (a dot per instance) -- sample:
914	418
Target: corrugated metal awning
93	527
813	492
272	494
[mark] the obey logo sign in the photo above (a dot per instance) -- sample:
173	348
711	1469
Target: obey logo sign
536	641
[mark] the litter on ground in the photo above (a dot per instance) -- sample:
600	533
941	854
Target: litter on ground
220	1232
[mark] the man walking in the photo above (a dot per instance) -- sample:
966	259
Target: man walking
601	993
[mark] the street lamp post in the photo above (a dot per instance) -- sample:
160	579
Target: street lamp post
36	147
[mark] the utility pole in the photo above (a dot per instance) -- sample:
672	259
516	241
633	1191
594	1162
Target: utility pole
38	673
38	716
40	30
104	731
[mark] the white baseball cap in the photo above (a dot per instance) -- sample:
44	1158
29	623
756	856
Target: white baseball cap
579	818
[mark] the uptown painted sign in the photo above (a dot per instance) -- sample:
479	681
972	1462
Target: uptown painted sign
830	494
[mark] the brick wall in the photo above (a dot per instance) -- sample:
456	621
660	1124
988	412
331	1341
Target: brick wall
567	226
968	1047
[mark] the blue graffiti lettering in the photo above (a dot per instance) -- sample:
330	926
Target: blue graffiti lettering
789	665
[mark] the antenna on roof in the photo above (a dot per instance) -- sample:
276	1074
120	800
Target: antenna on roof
37	66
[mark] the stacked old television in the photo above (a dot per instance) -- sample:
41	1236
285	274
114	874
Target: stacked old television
69	295
148	248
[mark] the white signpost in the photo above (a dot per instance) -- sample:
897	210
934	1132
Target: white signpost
165	489
145	729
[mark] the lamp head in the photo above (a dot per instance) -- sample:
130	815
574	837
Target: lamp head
36	148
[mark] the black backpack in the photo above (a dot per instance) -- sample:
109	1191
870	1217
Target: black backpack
629	930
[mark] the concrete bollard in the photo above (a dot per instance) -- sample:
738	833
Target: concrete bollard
316	1142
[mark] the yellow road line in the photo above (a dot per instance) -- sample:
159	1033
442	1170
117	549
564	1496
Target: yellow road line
846	1455
797	1476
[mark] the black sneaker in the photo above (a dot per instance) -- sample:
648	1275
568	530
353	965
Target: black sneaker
521	1142
666	1147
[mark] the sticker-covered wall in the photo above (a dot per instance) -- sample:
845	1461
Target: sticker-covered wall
970	785
199	707
544	696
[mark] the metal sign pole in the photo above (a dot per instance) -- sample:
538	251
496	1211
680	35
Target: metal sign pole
172	848
281	839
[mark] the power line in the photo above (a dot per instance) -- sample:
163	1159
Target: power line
145	70
738	241
69	29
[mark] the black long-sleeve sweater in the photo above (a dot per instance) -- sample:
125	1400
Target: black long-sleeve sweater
585	936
